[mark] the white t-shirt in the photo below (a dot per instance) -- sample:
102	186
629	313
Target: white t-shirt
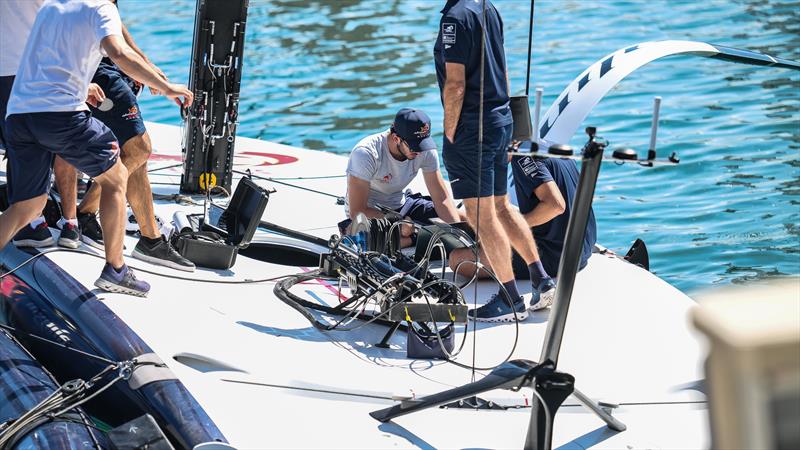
16	21
62	54
371	161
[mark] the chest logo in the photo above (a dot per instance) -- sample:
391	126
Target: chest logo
448	33
387	178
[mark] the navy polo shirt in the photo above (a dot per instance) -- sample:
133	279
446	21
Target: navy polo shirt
459	42
529	174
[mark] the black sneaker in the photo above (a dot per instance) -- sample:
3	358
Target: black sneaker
91	233
70	236
163	254
34	237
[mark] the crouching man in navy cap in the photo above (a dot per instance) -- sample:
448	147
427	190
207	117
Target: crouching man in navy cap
382	165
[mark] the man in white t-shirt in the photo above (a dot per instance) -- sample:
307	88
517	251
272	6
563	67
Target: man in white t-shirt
382	165
47	116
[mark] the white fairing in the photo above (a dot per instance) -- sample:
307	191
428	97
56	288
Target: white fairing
567	113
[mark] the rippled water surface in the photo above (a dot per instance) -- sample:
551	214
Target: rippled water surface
322	74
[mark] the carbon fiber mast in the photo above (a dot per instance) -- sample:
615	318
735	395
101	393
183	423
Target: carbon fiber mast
214	78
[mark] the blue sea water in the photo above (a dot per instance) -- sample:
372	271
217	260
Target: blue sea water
322	74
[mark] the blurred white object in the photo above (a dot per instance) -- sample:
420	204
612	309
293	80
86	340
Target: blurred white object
753	365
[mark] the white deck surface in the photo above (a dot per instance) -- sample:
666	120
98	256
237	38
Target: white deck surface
269	379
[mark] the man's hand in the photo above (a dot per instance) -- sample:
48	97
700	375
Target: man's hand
450	135
407	229
176	91
95	95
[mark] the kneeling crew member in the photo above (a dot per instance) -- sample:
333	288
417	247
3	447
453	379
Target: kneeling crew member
382	165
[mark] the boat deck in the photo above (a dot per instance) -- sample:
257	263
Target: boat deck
269	379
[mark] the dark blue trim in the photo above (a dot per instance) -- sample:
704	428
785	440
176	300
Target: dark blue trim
583	81
56	298
563	104
606	65
754	58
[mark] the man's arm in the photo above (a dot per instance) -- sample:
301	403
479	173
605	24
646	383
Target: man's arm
442	203
132	64
357	195
453	97
129	40
551	204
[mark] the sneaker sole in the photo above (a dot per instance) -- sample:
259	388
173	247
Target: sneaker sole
92	243
68	243
35	244
543	303
161	262
521	316
117	289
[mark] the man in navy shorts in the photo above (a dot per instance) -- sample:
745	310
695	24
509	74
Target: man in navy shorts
47	116
120	112
457	54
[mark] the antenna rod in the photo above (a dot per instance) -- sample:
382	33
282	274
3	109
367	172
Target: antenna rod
537	114
651	154
530	46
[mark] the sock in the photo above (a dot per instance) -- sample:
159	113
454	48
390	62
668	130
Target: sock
537	272
115	269
37	221
151	242
511	288
63	221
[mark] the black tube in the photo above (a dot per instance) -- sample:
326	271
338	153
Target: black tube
530	47
567	271
293	233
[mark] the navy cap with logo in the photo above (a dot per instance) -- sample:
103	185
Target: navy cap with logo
414	127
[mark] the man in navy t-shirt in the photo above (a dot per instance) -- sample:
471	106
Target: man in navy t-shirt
545	192
458	57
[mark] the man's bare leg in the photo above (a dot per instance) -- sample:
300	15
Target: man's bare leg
67	183
491	236
135	153
19	215
517	230
112	211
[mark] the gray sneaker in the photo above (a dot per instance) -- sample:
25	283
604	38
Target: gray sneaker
122	282
162	254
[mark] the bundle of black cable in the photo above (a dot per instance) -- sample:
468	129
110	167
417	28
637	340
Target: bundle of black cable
380	240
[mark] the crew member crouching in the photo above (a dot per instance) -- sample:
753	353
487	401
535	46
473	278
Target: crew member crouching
382	165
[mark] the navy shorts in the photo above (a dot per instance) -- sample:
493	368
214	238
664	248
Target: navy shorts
35	138
5	92
124	118
417	207
461	160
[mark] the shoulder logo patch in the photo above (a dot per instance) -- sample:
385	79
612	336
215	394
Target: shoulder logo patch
528	165
448	33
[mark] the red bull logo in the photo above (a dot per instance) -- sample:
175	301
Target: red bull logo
423	132
133	112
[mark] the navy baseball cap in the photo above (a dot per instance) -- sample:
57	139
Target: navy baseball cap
414	127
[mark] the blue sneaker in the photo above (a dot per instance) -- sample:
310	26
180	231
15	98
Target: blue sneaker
497	309
122	282
543	294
